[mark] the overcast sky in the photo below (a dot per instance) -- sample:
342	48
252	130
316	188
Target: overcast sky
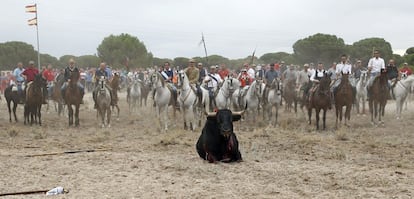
232	28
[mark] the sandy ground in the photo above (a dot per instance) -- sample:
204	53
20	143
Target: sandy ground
137	161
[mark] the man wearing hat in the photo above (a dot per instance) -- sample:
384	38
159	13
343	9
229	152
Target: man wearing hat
193	75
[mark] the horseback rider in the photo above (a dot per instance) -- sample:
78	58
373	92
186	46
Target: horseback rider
29	75
342	67
213	80
67	76
375	65
168	75
193	75
392	74
269	76
356	70
17	73
101	73
302	81
315	78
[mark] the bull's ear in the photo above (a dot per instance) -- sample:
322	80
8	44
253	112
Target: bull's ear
236	117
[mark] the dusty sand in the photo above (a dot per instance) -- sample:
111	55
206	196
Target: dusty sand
136	161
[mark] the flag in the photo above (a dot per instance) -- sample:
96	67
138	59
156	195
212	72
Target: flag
32	22
31	8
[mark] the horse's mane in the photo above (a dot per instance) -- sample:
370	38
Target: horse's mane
160	78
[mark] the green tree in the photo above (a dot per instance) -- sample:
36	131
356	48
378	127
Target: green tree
64	60
277	57
46	59
160	61
410	51
15	51
363	49
182	62
115	50
216	60
88	61
319	47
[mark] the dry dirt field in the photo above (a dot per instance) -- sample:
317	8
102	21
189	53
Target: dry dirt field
134	160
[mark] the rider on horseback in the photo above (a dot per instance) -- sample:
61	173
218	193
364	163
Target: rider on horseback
213	80
68	74
193	75
375	65
269	76
315	78
101	72
29	74
17	73
342	67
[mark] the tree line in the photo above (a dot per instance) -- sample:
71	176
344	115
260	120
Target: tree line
124	50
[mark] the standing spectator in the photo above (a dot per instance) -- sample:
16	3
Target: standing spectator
49	76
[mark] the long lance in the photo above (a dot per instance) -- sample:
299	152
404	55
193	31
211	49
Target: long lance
204	44
251	62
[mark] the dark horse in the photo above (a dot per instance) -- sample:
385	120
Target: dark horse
114	84
73	97
34	99
320	99
11	94
344	96
378	94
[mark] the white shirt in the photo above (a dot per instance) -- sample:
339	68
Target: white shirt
251	73
376	64
211	83
344	68
321	73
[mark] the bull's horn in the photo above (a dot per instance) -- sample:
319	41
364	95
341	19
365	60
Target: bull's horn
239	112
210	113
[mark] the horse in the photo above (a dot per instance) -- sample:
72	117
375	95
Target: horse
162	98
290	95
223	97
145	89
56	94
250	100
378	94
361	91
34	99
343	97
11	95
114	84
103	102
273	100
73	97
400	92
187	99
134	94
320	100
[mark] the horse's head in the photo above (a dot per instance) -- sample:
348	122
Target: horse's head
324	83
258	87
181	77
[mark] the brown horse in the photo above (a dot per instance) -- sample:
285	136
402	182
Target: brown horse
320	100
73	97
343	97
378	94
290	95
114	84
34	99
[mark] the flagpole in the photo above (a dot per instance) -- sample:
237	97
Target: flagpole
205	49
37	35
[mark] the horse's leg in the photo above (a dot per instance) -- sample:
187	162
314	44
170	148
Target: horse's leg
39	113
336	114
276	114
108	117
183	111
117	115
77	115
317	110
166	117
70	114
371	110
324	118
309	115
8	106
348	114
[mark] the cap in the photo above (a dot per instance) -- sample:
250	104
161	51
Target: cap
191	61
199	64
31	62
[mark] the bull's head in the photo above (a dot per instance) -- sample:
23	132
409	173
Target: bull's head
225	119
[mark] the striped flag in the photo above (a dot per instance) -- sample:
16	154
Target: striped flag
32	22
31	8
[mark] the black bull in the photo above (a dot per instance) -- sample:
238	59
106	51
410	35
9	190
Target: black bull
217	141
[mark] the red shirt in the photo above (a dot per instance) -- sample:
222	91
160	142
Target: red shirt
245	79
30	73
406	69
48	75
223	73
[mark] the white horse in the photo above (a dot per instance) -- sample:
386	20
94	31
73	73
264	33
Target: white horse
162	99
361	91
273	100
250	99
103	103
223	97
400	93
404	75
134	95
187	99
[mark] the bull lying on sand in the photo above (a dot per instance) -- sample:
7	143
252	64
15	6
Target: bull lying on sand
217	141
